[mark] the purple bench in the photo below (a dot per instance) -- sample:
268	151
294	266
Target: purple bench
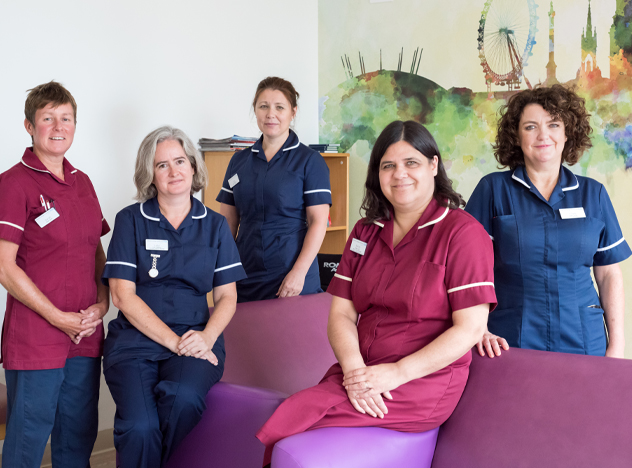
523	409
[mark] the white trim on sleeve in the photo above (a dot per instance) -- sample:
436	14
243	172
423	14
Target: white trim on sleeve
316	191
491	237
468	286
12	225
611	246
226	190
434	221
227	267
343	277
121	263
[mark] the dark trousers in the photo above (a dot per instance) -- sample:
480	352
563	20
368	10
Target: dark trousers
62	403
157	404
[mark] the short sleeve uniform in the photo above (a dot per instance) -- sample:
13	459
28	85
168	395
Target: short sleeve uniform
189	262
543	253
405	297
271	199
58	257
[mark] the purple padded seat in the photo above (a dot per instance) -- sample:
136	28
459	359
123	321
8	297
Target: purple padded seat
541	409
357	447
225	437
279	343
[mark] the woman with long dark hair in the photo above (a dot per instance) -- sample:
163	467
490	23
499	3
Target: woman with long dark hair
417	272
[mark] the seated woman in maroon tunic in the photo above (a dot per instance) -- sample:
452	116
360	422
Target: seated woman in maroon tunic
418	271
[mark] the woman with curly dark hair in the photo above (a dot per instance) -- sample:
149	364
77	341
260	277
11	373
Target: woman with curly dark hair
411	297
549	228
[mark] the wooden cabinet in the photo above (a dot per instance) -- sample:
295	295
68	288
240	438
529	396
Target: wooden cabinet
338	163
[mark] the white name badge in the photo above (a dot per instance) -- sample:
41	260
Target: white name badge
572	213
156	244
358	246
234	180
48	216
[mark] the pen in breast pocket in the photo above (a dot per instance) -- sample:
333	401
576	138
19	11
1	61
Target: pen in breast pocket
42	201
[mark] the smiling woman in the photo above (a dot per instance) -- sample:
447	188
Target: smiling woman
50	261
550	228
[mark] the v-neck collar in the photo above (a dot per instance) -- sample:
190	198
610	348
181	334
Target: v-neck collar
292	142
31	161
433	214
151	210
567	181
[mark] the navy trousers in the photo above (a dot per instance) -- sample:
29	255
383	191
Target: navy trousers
62	403
157	404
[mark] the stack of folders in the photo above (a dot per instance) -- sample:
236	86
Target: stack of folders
326	147
234	143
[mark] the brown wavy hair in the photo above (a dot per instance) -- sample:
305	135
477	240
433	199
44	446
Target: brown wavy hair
563	104
375	204
277	84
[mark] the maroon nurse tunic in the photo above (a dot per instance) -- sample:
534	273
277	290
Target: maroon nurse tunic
405	297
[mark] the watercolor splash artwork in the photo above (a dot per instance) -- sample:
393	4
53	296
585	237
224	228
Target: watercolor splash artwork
491	50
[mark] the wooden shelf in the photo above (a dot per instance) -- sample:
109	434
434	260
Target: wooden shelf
338	163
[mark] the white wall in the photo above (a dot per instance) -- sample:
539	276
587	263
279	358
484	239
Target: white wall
133	65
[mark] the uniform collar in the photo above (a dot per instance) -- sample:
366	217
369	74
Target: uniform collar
567	181
31	161
291	143
150	210
433	214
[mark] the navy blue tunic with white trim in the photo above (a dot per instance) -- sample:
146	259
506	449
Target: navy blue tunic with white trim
201	254
543	254
271	199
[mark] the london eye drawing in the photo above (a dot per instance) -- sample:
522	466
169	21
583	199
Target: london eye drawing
506	35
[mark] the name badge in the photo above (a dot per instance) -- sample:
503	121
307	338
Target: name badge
156	244
572	213
234	180
358	246
48	216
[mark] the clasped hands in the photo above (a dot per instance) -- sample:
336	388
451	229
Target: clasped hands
368	386
82	324
197	344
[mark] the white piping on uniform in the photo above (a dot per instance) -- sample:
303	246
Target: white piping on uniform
343	277
379	224
38	170
226	190
434	221
121	263
472	285
254	150
611	246
143	213
72	172
491	237
200	217
315	191
102	219
574	187
227	267
292	147
513	176
12	225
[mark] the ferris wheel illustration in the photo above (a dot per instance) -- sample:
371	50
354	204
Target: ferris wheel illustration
506	35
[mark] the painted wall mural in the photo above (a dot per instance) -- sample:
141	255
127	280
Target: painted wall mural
489	49
452	64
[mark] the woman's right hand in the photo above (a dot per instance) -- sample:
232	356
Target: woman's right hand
491	344
71	324
371	405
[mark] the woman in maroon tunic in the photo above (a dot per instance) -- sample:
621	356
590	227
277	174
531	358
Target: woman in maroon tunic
418	271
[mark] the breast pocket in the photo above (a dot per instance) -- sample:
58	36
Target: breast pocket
200	263
430	297
289	190
506	242
154	265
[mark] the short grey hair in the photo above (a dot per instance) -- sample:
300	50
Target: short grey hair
144	172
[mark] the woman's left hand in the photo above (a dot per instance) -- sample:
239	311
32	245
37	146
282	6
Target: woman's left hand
92	316
198	345
373	380
292	284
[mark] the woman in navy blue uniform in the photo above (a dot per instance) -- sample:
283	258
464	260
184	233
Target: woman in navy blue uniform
276	198
549	228
163	352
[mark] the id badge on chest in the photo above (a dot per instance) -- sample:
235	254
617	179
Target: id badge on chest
47	217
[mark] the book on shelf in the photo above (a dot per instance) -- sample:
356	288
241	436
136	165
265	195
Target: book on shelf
234	143
326	147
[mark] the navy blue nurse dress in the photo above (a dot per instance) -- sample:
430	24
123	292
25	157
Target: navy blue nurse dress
199	255
271	198
543	253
